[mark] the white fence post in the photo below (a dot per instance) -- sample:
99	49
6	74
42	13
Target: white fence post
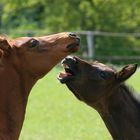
90	45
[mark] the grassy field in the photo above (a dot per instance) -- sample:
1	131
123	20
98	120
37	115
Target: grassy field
53	113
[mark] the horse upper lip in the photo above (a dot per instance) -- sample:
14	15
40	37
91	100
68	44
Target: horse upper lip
78	40
68	60
69	64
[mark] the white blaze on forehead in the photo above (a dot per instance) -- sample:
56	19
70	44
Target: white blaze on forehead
103	66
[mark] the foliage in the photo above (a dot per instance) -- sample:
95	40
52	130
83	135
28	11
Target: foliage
104	15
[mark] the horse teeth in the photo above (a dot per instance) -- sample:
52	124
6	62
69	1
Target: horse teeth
65	66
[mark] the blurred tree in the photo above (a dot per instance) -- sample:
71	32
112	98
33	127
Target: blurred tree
104	15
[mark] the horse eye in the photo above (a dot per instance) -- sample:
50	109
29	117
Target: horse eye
103	75
33	43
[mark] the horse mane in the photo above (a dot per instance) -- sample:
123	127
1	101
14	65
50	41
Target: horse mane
132	94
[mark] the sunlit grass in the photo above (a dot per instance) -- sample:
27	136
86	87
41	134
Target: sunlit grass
53	113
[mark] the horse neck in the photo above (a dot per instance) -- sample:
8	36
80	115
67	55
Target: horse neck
119	111
15	88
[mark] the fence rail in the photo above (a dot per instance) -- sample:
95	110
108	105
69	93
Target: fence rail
90	46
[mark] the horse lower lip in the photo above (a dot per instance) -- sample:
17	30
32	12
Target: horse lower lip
64	79
78	40
71	46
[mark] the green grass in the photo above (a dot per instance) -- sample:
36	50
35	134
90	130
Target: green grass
53	113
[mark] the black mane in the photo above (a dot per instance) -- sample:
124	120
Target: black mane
132	94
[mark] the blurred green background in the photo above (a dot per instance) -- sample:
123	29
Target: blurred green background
57	16
110	28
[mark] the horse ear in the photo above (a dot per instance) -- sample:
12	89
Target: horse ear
126	72
4	44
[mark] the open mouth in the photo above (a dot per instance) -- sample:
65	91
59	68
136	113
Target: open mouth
69	72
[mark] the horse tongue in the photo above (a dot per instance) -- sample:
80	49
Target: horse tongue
64	74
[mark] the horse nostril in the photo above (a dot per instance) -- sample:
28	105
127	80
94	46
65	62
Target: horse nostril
72	35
